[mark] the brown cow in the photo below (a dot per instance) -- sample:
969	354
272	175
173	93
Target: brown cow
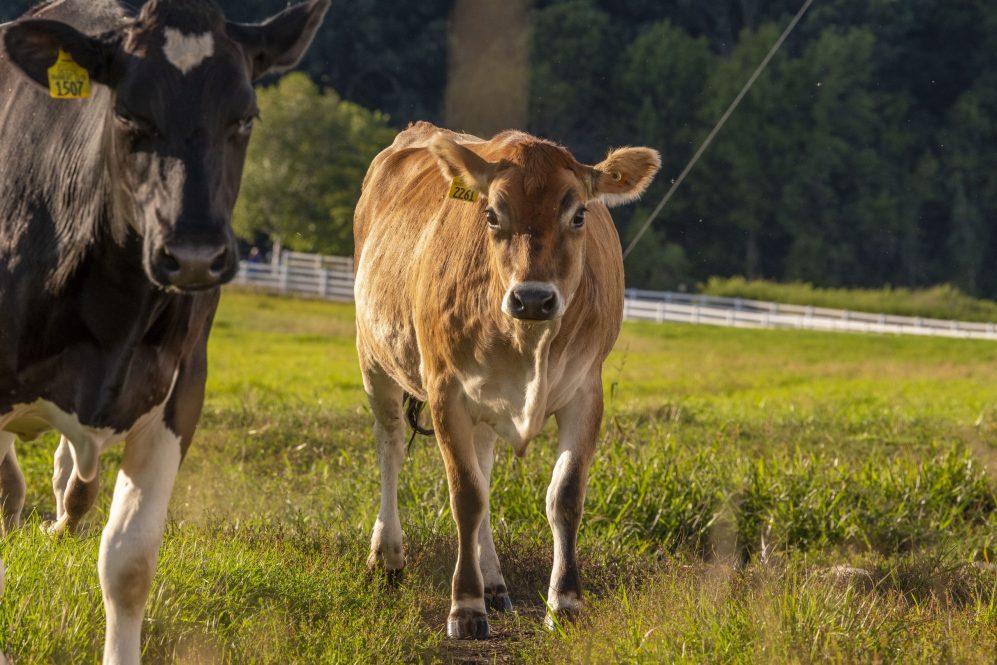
498	313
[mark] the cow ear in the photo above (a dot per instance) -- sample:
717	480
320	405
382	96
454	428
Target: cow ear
279	42
456	161
33	46
624	175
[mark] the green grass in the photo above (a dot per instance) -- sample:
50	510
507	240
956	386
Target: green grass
938	302
738	473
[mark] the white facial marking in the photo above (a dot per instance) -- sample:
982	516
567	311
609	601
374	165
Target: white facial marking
187	51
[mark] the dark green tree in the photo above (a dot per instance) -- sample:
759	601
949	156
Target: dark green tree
306	161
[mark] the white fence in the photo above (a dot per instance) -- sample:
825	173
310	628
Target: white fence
331	277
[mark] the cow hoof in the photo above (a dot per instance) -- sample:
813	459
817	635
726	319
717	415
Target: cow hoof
393	578
497	599
56	528
467	624
561	617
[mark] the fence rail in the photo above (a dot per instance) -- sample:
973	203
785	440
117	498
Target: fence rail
331	278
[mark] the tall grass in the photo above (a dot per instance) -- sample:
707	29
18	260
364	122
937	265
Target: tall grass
757	496
939	302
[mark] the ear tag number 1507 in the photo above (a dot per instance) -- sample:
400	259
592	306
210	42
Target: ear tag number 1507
460	191
67	80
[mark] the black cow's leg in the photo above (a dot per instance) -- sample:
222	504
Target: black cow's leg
385	397
129	546
578	428
496	593
79	499
468	504
11	484
73	497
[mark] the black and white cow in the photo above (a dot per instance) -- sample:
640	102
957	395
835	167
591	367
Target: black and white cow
114	238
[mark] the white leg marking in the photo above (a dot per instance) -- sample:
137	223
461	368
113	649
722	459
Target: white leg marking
578	428
386	549
185	52
564	535
484	446
61	473
129	547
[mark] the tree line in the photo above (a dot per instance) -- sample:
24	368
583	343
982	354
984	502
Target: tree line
862	157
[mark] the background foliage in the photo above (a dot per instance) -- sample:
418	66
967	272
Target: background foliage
861	157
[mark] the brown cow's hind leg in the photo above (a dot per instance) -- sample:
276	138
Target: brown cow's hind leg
385	397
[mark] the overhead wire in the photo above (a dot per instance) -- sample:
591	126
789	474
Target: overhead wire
716	129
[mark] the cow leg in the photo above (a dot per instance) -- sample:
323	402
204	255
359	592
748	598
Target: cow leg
130	543
62	471
385	397
129	546
73	497
578	428
496	593
11	484
468	504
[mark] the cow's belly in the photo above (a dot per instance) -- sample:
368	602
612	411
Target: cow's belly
386	339
28	421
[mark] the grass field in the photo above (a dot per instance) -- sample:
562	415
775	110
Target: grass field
758	496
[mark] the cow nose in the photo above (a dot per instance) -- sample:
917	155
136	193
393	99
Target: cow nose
534	301
194	266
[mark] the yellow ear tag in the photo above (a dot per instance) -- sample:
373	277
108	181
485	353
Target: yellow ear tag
67	80
461	192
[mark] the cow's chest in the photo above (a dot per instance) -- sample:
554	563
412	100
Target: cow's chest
516	392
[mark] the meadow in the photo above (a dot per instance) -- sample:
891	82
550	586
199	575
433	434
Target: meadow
758	497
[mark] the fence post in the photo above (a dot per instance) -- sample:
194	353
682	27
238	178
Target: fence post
323	287
284	277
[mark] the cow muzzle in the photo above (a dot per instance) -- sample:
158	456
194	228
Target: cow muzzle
533	301
190	266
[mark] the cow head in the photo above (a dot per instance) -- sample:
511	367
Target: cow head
181	111
533	210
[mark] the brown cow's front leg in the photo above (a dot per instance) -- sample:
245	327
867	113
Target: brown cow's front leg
468	502
578	427
11	483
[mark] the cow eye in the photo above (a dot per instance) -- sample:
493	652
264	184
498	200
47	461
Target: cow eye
491	218
244	126
578	221
135	125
